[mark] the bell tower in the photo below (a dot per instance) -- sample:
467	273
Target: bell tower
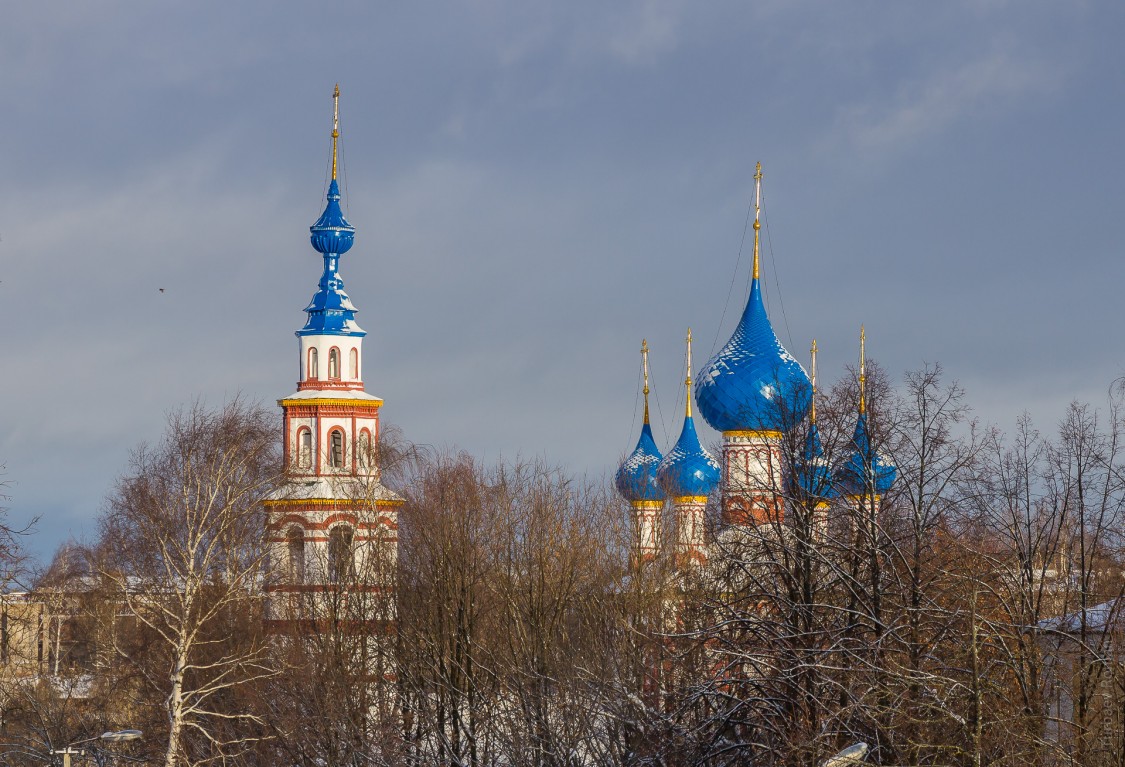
332	526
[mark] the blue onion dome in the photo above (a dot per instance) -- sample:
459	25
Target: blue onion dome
636	478
812	474
866	470
332	233
753	383
688	469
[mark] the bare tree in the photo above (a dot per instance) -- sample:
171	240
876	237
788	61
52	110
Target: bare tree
181	549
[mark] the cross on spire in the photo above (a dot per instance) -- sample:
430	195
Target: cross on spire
687	381
335	126
757	213
862	370
644	365
812	407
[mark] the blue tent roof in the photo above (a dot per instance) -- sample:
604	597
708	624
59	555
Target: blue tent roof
753	383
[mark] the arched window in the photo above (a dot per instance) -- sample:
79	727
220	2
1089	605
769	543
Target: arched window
336	449
314	369
353	364
295	542
304	449
334	363
366	459
341	559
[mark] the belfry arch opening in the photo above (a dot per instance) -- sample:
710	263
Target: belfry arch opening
295	547
341	554
364	448
336	449
304	448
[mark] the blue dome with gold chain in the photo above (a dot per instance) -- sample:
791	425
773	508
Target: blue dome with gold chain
688	469
636	477
812	474
753	383
330	311
332	233
866	470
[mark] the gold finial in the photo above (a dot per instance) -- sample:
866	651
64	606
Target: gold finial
644	364
812	409
862	370
687	381
335	126
757	213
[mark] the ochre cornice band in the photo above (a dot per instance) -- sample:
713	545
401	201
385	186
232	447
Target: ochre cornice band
763	434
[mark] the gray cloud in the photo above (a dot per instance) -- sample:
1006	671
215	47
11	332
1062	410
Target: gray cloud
537	186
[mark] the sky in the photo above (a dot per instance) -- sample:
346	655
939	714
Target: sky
536	187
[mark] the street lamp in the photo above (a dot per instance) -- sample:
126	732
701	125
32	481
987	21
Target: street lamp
849	756
118	736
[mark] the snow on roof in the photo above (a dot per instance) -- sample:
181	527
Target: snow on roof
1106	616
356	394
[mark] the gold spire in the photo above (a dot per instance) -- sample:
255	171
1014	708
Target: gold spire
644	364
335	126
687	381
862	370
812	409
757	213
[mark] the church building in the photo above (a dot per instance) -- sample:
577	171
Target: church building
753	392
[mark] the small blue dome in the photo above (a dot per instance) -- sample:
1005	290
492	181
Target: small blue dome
753	383
812	474
865	469
332	233
636	478
688	469
330	311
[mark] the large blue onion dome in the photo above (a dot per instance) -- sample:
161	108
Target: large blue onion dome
753	383
636	477
813	474
688	469
866	470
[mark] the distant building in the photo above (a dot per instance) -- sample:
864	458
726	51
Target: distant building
1084	668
